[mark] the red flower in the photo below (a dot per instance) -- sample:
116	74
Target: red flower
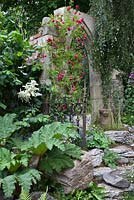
60	76
73	19
77	7
68	8
44	55
70	62
69	29
78	39
82	75
57	21
64	107
73	88
49	40
79	21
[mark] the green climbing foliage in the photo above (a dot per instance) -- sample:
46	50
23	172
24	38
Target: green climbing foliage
113	43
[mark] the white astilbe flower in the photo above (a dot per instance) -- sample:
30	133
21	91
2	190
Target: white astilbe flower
30	90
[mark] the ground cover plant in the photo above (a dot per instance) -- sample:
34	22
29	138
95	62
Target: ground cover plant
93	192
96	138
110	158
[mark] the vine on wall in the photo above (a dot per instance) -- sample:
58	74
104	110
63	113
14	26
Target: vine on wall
113	43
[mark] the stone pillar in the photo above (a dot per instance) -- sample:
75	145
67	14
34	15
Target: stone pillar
95	93
96	97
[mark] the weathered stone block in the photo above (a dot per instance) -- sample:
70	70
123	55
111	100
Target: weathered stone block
79	176
45	20
112	192
124	151
114	179
99	171
123	137
96	157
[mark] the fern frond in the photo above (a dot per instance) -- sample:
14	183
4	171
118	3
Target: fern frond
27	177
8	185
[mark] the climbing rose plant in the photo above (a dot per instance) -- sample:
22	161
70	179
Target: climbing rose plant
67	53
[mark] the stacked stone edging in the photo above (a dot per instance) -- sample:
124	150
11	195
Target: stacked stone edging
114	181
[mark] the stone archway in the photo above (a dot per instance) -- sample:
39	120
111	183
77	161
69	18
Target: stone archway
46	32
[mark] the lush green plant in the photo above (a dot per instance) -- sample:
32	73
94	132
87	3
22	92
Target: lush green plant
51	143
97	138
93	192
110	158
7	127
14	69
24	178
54	139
